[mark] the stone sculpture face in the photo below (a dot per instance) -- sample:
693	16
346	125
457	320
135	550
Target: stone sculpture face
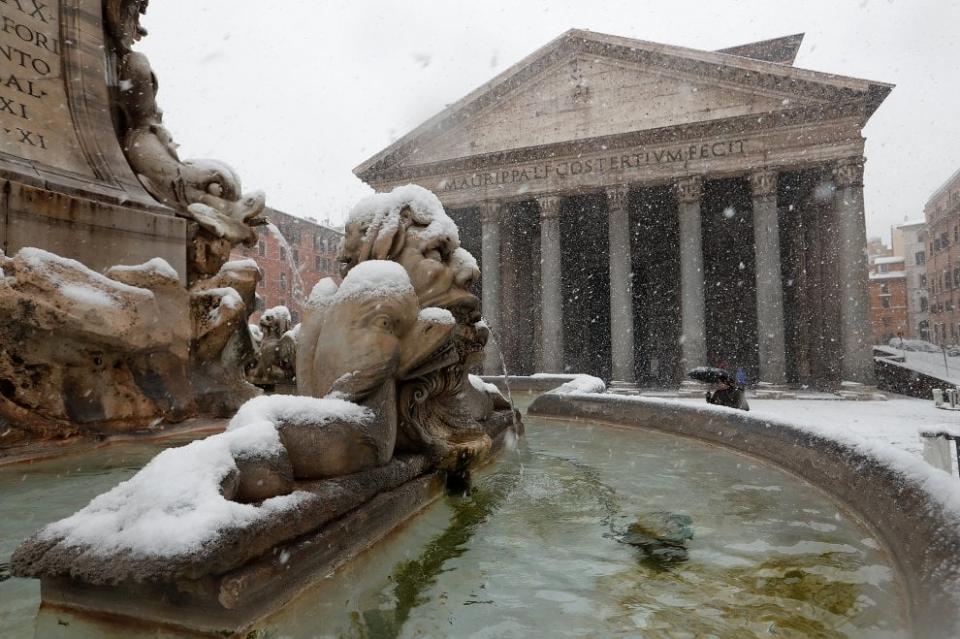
438	277
409	227
359	344
441	272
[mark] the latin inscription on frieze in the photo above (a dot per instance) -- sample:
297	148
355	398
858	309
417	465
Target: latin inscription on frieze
35	121
622	163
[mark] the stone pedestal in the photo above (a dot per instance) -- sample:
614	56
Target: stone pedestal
693	322
850	236
551	293
67	186
621	286
766	232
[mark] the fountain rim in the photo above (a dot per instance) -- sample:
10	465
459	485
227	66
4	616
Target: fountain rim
918	534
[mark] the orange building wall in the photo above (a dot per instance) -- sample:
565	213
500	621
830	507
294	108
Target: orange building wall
887	321
311	255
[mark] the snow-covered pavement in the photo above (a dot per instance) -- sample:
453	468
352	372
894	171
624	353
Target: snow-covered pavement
897	421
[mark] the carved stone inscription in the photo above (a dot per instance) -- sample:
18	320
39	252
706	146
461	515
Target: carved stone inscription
619	163
35	121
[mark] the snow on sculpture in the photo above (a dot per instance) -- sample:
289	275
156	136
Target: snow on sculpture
276	350
439	410
386	401
90	352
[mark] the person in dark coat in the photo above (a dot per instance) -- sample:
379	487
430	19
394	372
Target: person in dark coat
729	394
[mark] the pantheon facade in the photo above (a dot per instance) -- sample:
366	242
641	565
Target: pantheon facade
639	209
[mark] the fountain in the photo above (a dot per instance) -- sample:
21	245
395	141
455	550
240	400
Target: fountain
618	515
219	533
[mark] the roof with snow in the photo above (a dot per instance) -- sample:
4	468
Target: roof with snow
892	275
893	259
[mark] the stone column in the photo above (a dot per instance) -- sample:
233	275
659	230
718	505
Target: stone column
693	322
851	240
766	236
490	215
621	286
551	295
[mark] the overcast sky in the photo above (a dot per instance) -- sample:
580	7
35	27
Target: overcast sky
295	93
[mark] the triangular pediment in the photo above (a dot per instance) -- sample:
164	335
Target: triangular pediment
587	86
588	97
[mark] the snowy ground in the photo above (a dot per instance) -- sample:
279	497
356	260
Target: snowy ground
897	421
929	363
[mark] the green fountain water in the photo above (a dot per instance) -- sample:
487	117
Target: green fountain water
535	549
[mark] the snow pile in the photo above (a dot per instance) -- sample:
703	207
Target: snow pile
157	266
277	313
463	260
87	295
173	505
229	300
247	264
581	384
436	315
256	334
296	410
482	386
322	292
78	283
375	278
381	211
293	333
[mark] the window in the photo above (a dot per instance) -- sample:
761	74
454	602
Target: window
294	317
923	280
283	281
920	257
262	248
283	253
924	305
885	302
319	264
296	256
318	242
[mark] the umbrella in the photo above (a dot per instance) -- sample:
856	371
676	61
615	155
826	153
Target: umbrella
711	375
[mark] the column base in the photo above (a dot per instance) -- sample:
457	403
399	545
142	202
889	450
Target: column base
623	388
770	390
855	391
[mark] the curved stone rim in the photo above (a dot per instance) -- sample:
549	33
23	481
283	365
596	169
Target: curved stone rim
921	535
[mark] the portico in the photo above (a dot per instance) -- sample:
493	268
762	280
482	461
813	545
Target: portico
700	185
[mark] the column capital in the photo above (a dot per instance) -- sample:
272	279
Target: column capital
763	182
618	196
491	212
848	172
549	206
690	189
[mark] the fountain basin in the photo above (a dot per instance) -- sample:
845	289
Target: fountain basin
907	506
249	572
